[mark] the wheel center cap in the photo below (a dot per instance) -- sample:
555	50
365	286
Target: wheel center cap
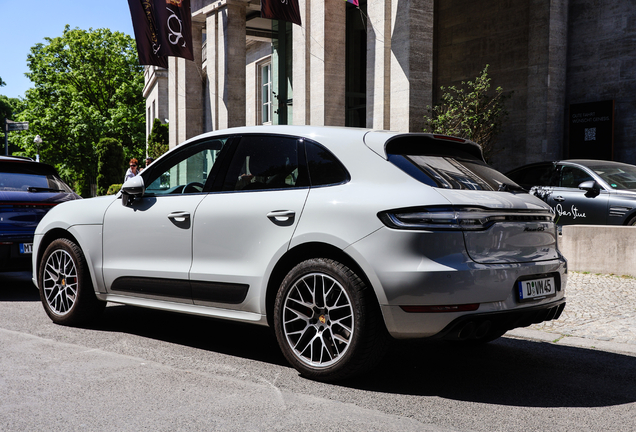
322	319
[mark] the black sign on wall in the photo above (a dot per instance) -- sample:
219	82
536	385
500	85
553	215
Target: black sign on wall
592	130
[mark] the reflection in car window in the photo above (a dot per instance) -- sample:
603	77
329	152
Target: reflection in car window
262	163
188	173
17	176
456	173
324	168
618	176
572	177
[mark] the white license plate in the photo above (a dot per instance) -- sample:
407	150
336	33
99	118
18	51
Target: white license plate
26	248
535	288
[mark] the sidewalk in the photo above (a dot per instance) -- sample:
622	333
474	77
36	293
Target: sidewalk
600	314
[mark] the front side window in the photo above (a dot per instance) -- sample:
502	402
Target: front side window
572	177
264	162
187	172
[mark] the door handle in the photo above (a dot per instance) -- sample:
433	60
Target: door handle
281	215
559	198
179	216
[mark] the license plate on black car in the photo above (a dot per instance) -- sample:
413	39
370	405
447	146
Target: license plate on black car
26	248
536	288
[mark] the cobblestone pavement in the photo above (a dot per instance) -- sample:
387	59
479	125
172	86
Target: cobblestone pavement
601	307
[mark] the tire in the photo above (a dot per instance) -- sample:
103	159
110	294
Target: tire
328	325
66	290
631	222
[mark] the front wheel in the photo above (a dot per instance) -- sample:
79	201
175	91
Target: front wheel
65	285
327	322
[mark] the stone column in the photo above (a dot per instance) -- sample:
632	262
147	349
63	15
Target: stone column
185	84
301	65
226	65
411	71
379	64
323	101
547	61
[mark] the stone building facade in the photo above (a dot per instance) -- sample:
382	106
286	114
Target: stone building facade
382	64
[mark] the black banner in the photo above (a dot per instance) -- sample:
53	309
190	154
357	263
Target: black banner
286	10
162	28
175	28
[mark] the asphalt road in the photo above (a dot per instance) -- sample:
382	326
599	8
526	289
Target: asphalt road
141	369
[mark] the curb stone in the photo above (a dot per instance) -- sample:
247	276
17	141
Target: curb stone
572	341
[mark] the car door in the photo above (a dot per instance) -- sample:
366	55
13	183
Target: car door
573	206
243	227
147	246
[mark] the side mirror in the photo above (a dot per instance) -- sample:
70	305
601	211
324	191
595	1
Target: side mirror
132	189
591	187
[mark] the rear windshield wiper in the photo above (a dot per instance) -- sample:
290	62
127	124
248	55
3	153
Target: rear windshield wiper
505	187
43	189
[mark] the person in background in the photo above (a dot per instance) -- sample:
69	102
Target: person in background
133	169
149	160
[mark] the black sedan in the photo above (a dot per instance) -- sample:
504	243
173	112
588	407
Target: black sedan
583	191
28	190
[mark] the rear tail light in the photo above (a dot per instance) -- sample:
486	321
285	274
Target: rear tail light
453	219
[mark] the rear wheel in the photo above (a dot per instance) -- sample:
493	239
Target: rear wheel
327	323
65	285
632	222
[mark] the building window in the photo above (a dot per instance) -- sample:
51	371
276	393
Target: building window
265	93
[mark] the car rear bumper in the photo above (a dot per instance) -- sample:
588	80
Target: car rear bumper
10	257
477	325
428	286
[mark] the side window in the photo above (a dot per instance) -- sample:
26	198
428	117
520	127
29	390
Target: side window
543	175
324	168
262	163
187	172
572	177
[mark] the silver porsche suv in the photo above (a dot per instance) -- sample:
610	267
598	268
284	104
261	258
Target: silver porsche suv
338	238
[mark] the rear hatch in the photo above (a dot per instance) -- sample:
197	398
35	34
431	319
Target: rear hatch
500	221
28	190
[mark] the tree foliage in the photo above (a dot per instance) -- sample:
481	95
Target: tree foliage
470	112
88	85
158	139
111	164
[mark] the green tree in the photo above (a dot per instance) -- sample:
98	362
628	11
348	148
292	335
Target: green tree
9	108
111	164
88	85
158	139
2	83
470	112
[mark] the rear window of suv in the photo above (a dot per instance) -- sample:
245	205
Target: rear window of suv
21	176
448	165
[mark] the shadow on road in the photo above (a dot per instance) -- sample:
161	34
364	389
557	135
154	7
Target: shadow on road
505	372
252	342
17	286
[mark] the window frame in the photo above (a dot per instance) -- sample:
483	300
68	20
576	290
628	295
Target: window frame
264	106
